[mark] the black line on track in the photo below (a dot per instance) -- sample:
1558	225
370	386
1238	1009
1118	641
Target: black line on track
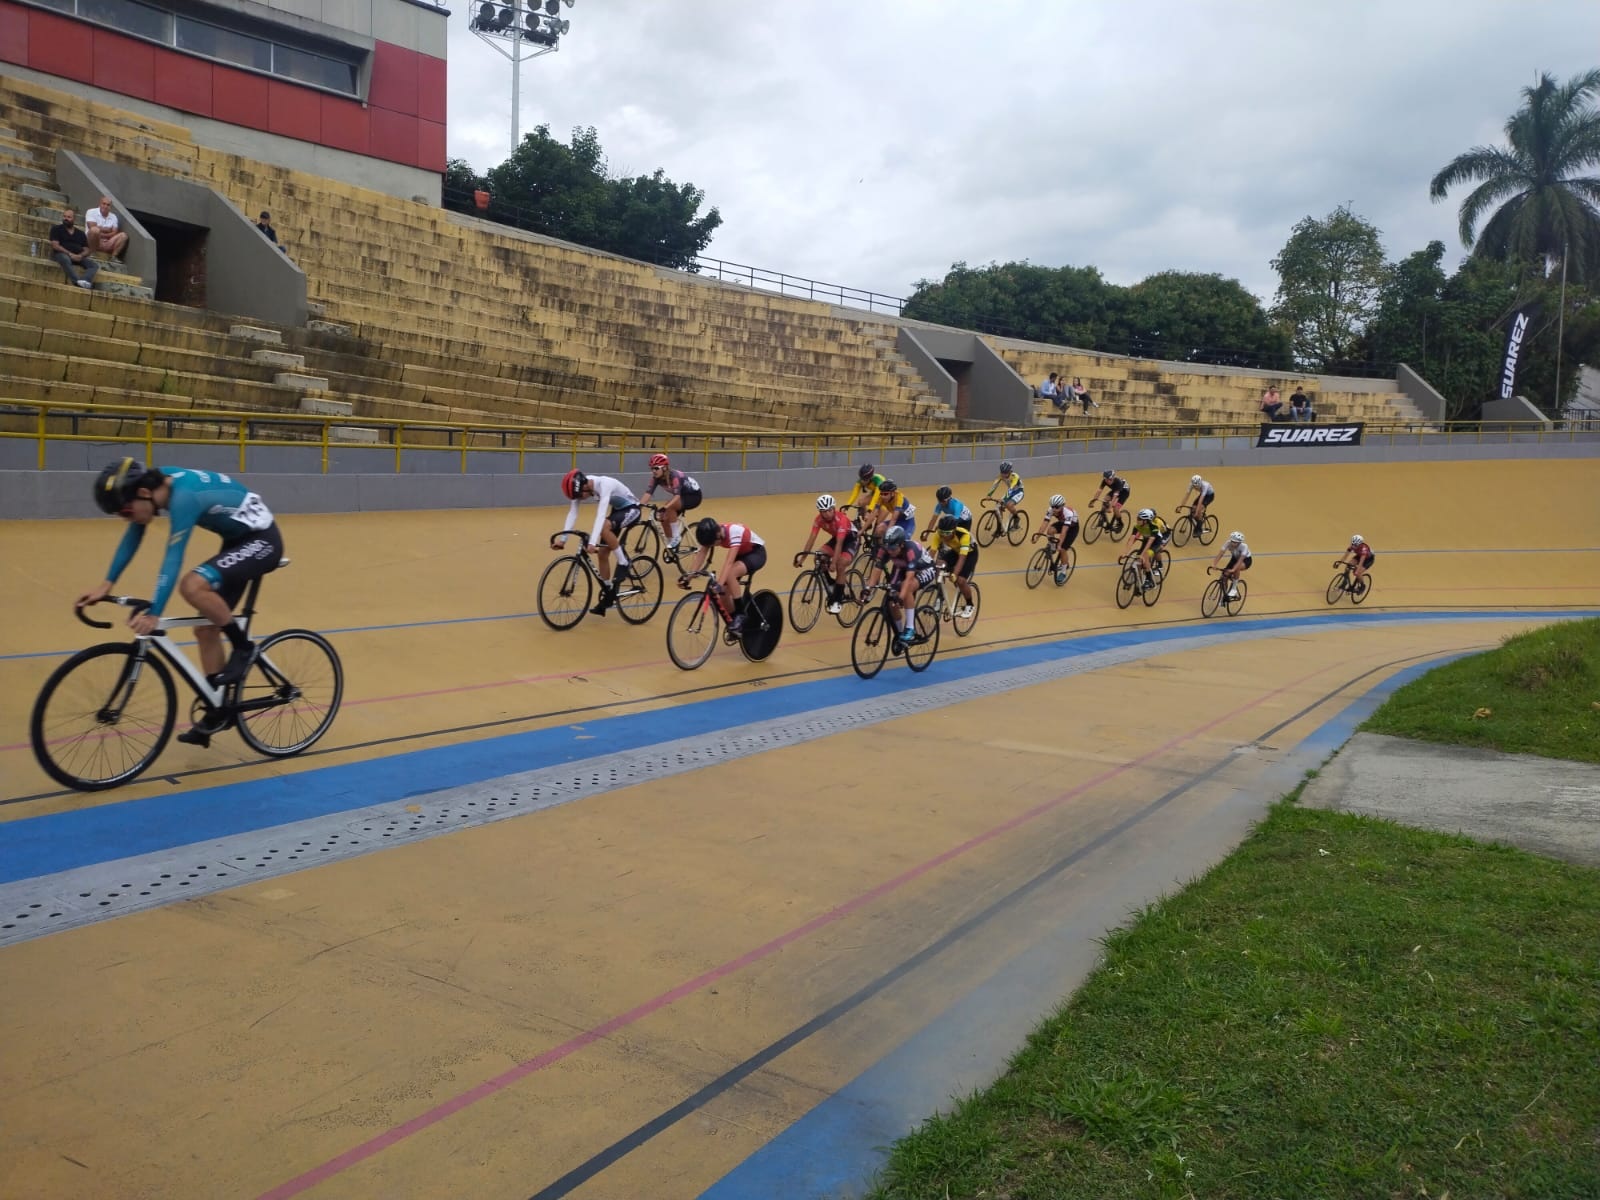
623	1146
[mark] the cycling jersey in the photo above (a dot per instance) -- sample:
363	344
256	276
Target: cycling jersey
1203	488
1155	529
954	508
1115	484
676	484
866	492
1065	515
1012	483
957	541
902	513
1242	550
741	539
205	499
1362	552
835	523
612	500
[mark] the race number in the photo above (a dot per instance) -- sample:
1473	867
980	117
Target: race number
253	513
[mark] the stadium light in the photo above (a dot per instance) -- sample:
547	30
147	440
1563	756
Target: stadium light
519	32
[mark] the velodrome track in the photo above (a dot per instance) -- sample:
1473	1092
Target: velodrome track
733	963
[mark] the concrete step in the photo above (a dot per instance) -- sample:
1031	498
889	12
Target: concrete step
254	333
301	383
354	433
123	285
15	155
47	195
323	406
279	358
31	174
333	327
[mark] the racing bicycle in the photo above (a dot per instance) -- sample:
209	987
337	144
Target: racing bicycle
697	624
1129	583
1186	527
989	523
878	634
1115	526
1044	563
1219	595
566	589
1344	583
812	589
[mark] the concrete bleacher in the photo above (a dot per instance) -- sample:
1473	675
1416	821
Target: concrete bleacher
426	315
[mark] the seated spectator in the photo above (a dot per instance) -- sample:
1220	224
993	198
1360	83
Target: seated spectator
70	248
1300	406
264	224
1081	394
1051	391
1272	404
104	232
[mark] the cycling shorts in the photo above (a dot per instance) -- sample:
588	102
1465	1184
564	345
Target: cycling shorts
231	568
959	565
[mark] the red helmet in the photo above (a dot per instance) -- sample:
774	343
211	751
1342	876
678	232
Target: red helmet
572	484
659	460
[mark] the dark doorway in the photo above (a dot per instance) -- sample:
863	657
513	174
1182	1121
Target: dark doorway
180	259
961	372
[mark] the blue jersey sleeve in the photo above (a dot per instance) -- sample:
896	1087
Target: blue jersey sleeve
126	549
184	512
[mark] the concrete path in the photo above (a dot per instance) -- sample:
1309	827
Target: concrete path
1546	805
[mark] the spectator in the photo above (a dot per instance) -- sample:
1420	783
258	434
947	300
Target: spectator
1081	395
1272	403
105	235
70	248
1051	391
264	224
1300	406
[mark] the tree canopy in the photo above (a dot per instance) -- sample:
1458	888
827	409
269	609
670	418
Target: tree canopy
1330	274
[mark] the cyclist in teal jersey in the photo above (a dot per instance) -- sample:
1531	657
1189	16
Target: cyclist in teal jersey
251	547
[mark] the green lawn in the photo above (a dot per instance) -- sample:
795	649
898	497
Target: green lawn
1343	1008
1542	690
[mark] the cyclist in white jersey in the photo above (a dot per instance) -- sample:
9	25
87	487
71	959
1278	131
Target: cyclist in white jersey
1237	552
1203	494
616	508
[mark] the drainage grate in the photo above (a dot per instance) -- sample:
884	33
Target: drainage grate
33	907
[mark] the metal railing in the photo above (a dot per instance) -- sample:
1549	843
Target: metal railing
546	449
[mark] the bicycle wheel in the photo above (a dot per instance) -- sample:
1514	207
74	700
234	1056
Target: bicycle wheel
1127	585
1038	567
693	630
1018	529
1235	603
98	721
565	591
641	540
1164	563
1118	526
1153	593
1360	590
869	648
639	594
1093	527
1067	567
1182	530
1211	598
855	586
963	625
763	626
1336	586
1208	530
988	528
923	647
805	600
300	673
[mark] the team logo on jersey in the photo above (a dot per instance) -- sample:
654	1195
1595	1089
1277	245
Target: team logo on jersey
1306	435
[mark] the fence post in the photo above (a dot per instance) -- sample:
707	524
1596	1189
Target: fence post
149	438
325	427
43	409
244	432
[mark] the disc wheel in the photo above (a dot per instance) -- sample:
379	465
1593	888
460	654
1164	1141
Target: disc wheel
1038	567
102	717
1208	530
1211	598
988	528
763	626
1018	529
920	653
639	593
566	590
1127	585
964	625
806	599
693	630
869	648
300	672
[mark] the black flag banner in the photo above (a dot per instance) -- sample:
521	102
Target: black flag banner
1516	346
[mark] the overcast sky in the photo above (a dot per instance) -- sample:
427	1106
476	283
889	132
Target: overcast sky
876	143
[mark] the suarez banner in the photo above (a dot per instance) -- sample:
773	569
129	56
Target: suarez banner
1348	434
1517	334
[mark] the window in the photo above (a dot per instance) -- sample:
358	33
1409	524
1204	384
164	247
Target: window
199	38
129	16
318	69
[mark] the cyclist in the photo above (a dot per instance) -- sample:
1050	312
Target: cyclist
954	550
1060	522
1153	533
894	509
1203	494
1359	557
748	555
684	491
1012	482
840	547
864	496
910	568
946	503
251	547
615	510
1239	560
1117	491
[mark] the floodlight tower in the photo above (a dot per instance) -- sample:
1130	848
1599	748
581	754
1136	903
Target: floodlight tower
529	28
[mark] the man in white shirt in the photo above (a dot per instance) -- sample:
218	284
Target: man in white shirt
102	226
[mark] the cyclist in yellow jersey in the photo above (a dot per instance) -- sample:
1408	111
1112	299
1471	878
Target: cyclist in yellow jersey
1153	533
864	496
1012	483
954	550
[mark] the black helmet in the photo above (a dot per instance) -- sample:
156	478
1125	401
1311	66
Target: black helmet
706	531
1005	467
894	537
116	483
948	523
888	485
865	473
943	494
1108	474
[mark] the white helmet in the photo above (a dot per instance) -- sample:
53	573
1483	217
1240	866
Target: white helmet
1195	481
1058	501
825	503
1147	514
1356	539
1235	536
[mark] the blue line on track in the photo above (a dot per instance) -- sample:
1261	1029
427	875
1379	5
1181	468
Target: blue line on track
44	845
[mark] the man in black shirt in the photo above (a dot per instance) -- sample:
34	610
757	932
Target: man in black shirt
70	247
267	231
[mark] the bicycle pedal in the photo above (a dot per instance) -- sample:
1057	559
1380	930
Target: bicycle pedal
195	737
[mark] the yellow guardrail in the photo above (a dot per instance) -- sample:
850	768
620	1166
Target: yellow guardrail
44	422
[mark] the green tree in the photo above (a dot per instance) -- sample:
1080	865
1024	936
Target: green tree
1187	317
1544	202
1070	306
460	181
1330	275
1408	311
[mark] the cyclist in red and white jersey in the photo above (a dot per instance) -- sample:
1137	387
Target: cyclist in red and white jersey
684	490
840	547
1359	556
615	510
747	554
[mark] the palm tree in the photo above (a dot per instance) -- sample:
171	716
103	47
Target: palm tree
1545	204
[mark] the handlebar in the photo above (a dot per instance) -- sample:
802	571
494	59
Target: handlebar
137	605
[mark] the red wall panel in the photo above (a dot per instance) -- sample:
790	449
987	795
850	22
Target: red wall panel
432	86
344	125
394	79
394	136
60	46
294	111
430	146
183	82
13	33
124	65
239	98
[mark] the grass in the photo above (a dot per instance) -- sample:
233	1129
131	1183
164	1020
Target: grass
1541	690
1343	1008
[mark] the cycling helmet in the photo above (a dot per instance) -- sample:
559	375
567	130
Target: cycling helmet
943	494
1108	474
1058	501
659	460
1235	537
825	503
1005	467
1195	481
865	472
888	486
947	523
572	484
894	538
116	483
706	531
1147	514
1356	539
